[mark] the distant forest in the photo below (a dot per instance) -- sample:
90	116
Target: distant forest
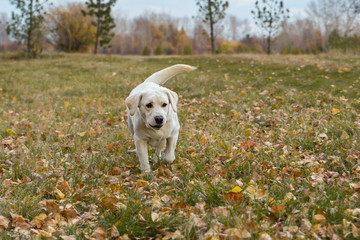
327	25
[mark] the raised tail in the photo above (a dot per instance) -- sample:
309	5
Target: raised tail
162	76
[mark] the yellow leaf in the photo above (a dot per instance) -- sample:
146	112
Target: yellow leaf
335	111
10	131
242	93
66	104
91	132
59	193
142	183
14	98
236	115
236	189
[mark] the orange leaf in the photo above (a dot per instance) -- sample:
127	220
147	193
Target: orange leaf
142	183
335	111
203	140
235	197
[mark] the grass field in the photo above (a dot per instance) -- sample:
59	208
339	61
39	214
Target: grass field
269	147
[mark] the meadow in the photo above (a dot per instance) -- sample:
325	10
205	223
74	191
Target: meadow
269	148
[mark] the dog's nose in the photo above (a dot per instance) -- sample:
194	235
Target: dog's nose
159	119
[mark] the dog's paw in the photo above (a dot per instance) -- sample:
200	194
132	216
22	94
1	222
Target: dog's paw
168	158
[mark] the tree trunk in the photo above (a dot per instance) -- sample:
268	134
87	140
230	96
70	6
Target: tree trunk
211	27
268	51
97	26
29	34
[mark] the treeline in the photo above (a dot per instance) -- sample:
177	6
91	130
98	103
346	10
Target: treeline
328	25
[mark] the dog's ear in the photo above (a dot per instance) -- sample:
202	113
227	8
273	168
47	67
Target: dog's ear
132	103
173	98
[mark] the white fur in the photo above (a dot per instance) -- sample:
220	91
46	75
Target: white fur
147	101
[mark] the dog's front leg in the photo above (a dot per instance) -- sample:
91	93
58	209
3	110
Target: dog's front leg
142	153
158	150
169	155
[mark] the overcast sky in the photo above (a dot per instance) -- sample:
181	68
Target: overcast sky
177	8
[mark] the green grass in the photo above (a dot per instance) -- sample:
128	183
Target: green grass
267	124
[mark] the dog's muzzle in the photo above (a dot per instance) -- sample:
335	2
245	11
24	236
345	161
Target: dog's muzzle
157	126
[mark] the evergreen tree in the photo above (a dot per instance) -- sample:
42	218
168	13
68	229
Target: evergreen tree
269	16
146	51
158	50
334	40
211	12
104	21
27	24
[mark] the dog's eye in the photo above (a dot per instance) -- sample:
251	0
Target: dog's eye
164	105
149	105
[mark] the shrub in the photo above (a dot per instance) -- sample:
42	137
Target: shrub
146	51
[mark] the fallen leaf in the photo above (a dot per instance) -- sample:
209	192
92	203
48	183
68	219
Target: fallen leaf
221	211
165	198
198	222
99	233
69	212
142	183
156	203
319	218
70	237
114	232
344	135
203	139
109	202
154	216
4	222
335	111
296	172
59	194
235	197
355	231
7	183
51	206
264	236
250	189
38	220
236	189
174	235
277	208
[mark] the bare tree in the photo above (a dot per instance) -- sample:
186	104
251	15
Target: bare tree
235	28
329	15
211	12
269	16
4	38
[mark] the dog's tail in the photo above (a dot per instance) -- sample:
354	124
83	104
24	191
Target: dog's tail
162	76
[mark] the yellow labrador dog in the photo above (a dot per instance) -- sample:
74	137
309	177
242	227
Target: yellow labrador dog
152	117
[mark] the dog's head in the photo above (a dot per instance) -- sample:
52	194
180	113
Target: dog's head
154	106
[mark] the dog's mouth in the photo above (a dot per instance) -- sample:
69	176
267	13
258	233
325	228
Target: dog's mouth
157	126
